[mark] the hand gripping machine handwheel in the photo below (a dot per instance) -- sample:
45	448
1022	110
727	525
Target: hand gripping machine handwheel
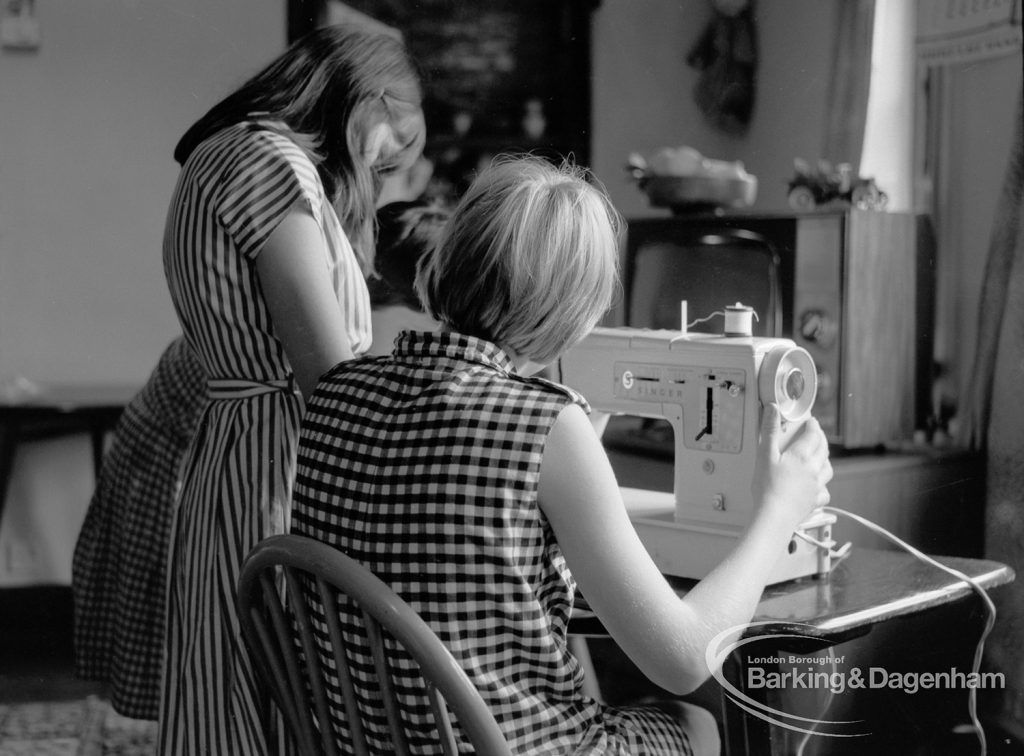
711	390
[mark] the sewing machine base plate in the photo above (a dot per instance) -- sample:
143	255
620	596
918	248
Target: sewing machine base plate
690	550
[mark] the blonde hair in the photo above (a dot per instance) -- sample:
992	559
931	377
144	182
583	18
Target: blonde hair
529	259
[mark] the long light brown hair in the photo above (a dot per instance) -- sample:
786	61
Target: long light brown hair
327	92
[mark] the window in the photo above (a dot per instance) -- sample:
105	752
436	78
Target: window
888	151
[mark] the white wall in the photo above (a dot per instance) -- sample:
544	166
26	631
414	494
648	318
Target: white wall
89	123
643	91
87	126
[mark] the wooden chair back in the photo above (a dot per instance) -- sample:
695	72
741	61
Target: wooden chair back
278	579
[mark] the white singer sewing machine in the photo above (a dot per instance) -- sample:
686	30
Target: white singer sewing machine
710	389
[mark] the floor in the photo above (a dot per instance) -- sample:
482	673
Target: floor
37	664
36	650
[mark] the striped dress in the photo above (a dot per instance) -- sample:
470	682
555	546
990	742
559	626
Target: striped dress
232	193
119	567
424	466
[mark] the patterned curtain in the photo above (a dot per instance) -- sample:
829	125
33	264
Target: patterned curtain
847	110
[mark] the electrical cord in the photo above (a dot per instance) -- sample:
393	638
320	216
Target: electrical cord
990	608
837	555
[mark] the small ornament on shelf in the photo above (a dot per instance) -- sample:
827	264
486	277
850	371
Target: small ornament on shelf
534	122
826	184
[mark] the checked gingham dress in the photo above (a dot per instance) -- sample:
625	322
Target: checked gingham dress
119	567
423	465
233	192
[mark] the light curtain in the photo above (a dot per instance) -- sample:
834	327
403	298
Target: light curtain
847	108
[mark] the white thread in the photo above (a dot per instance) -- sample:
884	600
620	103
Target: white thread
739	320
698	321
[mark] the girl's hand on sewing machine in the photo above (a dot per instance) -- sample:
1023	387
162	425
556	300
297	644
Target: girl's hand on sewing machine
790	479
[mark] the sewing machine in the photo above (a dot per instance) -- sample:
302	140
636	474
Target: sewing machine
710	389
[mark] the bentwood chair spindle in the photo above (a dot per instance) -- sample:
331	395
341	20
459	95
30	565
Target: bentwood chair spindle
280	578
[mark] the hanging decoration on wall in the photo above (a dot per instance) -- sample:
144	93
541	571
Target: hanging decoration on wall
726	55
19	28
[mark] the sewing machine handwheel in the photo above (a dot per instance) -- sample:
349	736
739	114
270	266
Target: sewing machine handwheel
788	378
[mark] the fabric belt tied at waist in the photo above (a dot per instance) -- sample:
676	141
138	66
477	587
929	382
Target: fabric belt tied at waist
240	388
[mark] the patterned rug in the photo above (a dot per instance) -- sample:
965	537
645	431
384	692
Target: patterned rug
72	728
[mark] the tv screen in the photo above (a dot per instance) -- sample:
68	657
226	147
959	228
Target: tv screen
710	270
710	267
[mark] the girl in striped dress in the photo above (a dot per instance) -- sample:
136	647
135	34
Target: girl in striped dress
482	494
119	567
268	237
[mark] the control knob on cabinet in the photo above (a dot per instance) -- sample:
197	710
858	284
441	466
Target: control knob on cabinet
818	328
826	386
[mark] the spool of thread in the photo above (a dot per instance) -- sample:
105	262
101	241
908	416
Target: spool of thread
739	320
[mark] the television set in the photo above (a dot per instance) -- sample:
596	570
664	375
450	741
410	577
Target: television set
851	286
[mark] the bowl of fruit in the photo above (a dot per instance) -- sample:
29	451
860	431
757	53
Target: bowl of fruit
682	179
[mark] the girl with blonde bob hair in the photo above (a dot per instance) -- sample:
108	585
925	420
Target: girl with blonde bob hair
482	495
528	261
